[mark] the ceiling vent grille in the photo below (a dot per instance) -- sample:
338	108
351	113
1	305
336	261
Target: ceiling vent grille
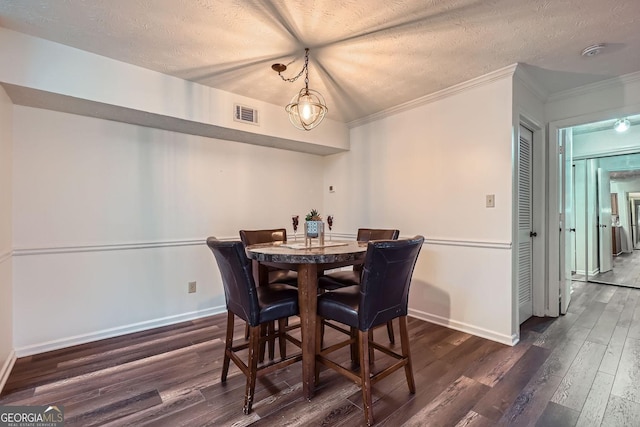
245	114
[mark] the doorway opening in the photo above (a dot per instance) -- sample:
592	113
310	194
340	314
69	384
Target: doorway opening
603	232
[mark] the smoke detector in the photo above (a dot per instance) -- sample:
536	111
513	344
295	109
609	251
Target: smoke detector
593	50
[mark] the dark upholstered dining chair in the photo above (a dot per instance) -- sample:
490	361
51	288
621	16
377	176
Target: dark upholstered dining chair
281	274
341	279
381	296
256	305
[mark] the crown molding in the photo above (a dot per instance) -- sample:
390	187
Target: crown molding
530	83
597	86
436	96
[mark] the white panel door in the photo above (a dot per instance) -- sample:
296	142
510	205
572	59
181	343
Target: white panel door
567	218
604	221
525	223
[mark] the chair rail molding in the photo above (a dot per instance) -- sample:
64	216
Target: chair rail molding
49	250
5	256
469	243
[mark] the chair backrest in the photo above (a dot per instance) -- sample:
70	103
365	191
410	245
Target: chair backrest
367	234
386	277
254	237
237	279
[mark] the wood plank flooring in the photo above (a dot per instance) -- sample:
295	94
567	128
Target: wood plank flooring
625	271
580	369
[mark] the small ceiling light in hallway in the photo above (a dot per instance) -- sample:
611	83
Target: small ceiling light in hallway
622	125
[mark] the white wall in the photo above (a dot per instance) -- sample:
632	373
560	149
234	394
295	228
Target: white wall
65	74
6	284
427	171
110	219
595	102
606	143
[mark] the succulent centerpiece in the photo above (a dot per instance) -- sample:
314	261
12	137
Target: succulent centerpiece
313	225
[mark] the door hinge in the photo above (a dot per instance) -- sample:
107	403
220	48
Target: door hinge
561	149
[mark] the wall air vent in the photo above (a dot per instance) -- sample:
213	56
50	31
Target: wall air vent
245	114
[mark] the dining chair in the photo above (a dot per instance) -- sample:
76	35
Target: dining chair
275	273
256	305
381	296
341	279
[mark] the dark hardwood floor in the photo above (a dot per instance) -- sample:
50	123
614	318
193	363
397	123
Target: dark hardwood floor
580	369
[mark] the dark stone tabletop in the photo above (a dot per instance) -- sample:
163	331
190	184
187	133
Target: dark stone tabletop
279	252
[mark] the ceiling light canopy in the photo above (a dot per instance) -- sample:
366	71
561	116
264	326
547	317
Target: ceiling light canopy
307	108
593	50
622	125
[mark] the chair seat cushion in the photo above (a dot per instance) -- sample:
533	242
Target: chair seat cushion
276	301
283	276
339	279
341	305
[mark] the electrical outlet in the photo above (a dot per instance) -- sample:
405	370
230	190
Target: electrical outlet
491	200
192	287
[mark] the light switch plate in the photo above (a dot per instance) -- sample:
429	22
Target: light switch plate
491	200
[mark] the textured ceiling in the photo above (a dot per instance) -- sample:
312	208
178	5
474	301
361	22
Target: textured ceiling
366	56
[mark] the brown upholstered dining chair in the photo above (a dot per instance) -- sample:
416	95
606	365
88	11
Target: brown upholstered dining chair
257	305
382	295
280	274
340	279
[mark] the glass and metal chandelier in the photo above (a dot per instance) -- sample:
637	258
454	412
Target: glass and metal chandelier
307	108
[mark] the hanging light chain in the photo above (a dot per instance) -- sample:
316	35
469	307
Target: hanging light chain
305	67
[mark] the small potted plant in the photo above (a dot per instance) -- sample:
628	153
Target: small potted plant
313	224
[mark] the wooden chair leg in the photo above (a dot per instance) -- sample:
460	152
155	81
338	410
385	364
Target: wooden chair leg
246	331
365	376
271	333
404	342
282	341
319	343
263	345
355	351
392	338
254	348
372	357
228	343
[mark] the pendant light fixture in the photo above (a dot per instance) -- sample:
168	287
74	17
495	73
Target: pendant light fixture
307	108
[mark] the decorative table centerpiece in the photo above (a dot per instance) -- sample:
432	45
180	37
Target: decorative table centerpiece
313	227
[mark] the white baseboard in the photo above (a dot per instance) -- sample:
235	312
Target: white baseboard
510	340
115	332
7	366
